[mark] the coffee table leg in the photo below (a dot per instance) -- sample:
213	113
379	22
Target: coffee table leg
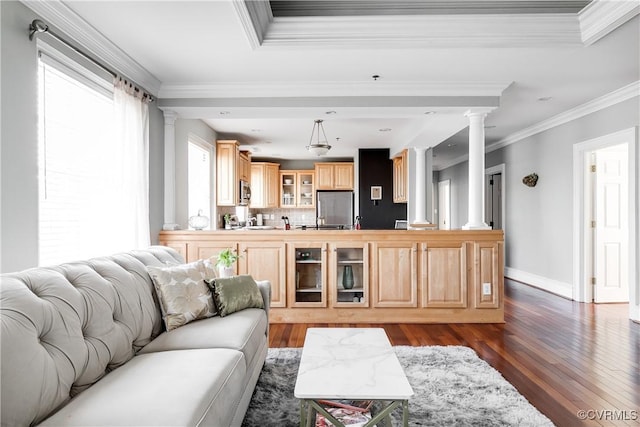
307	414
405	413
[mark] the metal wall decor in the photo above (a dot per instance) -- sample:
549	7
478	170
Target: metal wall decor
530	180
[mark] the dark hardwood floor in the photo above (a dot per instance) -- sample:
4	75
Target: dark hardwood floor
563	356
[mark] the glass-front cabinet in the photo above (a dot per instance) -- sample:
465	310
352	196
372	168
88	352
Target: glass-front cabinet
308	274
349	275
297	189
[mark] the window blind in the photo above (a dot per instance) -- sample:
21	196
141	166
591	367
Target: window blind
79	167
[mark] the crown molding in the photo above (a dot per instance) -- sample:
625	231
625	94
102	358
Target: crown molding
91	41
625	93
341	88
255	18
473	30
601	17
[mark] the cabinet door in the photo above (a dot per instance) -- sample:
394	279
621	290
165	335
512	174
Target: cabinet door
288	188
306	189
400	178
324	176
343	176
227	182
257	186
394	274
348	274
307	274
266	261
444	275
244	166
272	185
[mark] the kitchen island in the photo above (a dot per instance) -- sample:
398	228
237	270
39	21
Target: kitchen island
367	276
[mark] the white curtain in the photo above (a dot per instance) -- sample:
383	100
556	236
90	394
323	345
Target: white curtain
132	134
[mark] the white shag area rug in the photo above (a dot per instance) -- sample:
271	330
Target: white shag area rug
452	386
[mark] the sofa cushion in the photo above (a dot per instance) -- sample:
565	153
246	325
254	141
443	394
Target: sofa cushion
173	388
182	292
245	331
235	293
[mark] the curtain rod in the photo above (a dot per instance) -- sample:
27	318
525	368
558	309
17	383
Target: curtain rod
37	26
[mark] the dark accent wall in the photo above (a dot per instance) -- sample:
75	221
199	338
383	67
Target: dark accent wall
376	168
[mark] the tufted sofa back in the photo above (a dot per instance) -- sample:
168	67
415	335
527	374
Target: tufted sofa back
64	327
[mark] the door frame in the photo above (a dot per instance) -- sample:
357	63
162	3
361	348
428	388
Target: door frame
582	287
501	169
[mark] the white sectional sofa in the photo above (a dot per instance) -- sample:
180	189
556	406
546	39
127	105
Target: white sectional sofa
84	344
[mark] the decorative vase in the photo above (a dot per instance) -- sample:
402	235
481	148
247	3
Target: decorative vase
225	271
199	222
347	277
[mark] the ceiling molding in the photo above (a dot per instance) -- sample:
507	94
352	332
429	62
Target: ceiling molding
255	18
601	17
317	88
84	37
466	31
623	94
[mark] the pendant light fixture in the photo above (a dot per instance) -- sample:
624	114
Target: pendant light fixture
320	147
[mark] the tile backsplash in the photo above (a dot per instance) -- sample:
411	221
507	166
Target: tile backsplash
298	216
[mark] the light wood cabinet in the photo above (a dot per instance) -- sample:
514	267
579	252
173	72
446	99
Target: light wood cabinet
227	181
266	261
400	276
444	278
344	291
297	189
400	177
487	276
334	176
307	274
265	180
232	165
244	166
394	278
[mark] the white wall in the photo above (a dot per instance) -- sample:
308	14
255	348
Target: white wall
539	238
19	133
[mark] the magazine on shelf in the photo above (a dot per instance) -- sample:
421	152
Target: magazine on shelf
352	413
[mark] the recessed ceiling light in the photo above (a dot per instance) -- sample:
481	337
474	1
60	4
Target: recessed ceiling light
385	130
451	144
429	112
375	77
256	130
545	98
330	112
224	113
489	127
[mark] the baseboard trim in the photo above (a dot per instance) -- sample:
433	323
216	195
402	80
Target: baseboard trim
556	287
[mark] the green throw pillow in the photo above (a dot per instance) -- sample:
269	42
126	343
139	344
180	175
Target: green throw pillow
235	293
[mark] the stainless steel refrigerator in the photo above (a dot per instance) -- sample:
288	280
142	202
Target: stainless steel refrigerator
334	209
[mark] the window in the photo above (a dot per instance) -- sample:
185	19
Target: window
84	208
199	177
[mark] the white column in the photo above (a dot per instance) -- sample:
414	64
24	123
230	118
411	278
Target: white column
170	171
476	171
420	207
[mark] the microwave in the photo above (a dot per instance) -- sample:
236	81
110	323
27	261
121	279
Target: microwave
245	193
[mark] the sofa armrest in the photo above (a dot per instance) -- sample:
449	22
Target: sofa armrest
265	290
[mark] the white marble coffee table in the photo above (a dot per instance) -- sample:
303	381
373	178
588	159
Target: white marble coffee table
353	364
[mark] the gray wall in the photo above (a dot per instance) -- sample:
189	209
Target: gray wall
19	155
539	220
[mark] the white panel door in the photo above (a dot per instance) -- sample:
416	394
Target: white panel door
611	246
